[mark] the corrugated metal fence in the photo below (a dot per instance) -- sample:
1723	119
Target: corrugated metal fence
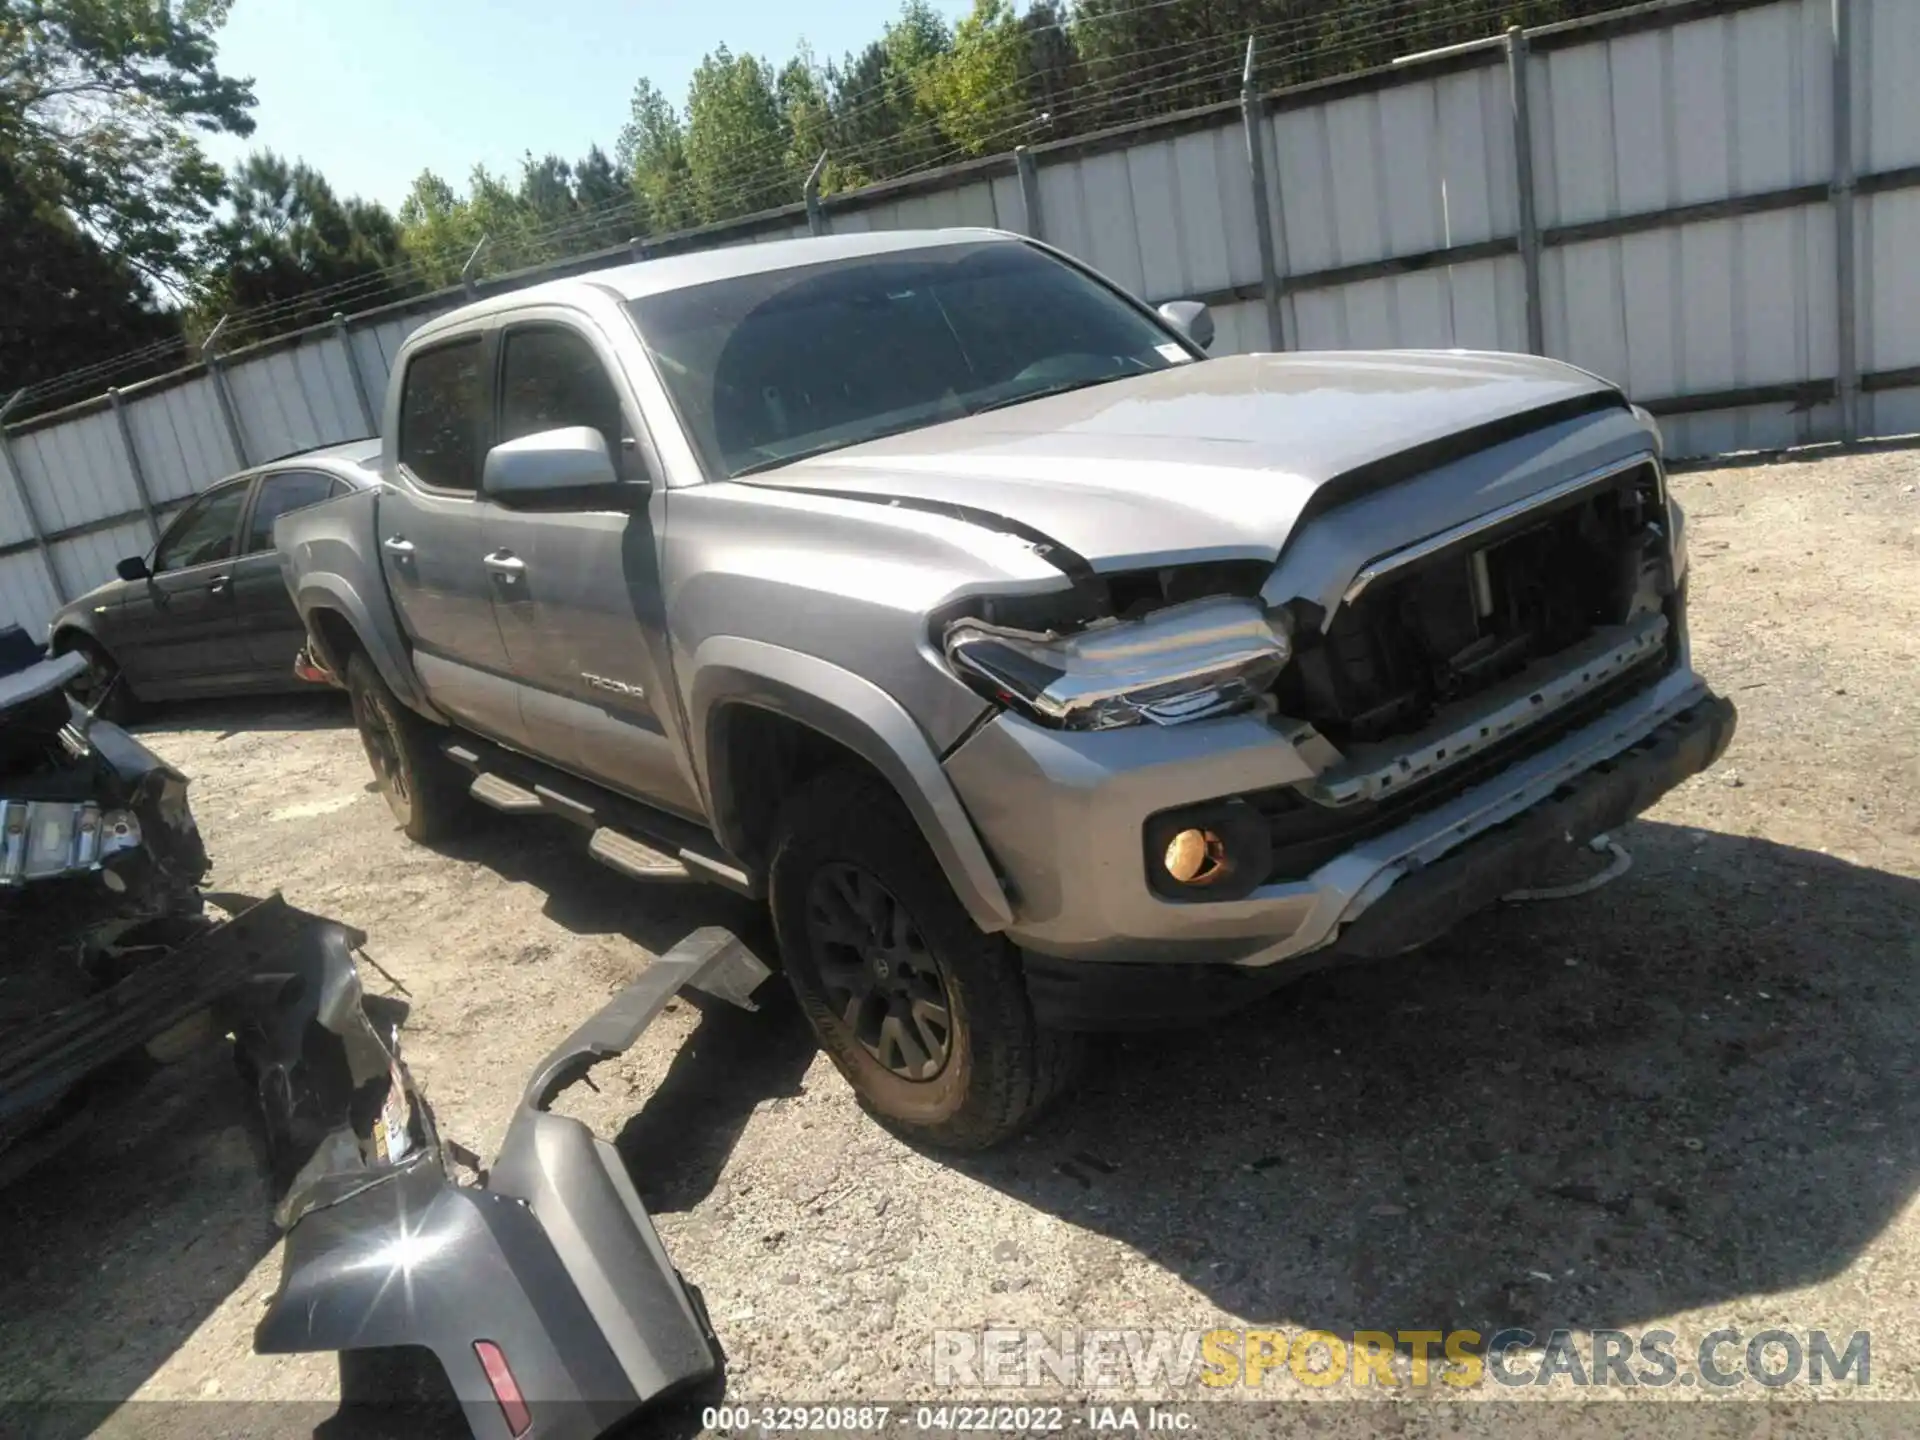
1714	202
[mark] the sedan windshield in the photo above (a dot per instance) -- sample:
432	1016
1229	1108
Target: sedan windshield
767	368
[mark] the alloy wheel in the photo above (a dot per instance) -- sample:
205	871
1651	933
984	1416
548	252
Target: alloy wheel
382	745
880	978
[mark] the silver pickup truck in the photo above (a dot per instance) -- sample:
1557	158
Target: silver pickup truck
1043	674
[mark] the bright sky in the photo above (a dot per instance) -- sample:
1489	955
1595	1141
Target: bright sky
371	92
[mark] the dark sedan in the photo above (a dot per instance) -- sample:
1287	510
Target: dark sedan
206	611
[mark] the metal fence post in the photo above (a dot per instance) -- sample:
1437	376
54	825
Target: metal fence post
466	270
19	482
1847	382
1518	53
1029	192
345	337
816	217
1253	118
133	460
217	369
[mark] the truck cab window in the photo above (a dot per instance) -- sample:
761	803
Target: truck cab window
441	404
550	379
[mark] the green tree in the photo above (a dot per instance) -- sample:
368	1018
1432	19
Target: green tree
502	212
806	114
737	141
288	237
882	124
67	302
1053	69
652	151
103	185
99	102
976	89
438	230
603	202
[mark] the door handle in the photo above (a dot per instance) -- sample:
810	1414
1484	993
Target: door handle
398	546
504	563
220	585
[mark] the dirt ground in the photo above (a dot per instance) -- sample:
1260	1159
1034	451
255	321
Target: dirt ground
1689	1100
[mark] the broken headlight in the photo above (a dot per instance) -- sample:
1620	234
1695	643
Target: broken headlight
1186	662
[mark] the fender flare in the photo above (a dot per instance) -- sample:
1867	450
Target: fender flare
849	709
384	647
72	625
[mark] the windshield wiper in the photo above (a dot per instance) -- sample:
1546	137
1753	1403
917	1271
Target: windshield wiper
806	452
1058	388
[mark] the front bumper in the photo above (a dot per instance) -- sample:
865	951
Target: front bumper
1062	814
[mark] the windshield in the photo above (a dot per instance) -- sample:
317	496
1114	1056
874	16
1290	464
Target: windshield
769	367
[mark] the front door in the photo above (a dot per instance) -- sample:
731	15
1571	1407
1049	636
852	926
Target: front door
577	592
432	546
179	630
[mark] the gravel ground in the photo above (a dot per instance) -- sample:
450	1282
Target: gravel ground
1684	1102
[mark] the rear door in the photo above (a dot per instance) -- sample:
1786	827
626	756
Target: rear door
578	592
268	619
432	547
180	629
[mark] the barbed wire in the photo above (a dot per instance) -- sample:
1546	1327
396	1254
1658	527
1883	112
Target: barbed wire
768	174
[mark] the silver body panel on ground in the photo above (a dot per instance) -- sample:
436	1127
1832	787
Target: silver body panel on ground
552	1259
812	590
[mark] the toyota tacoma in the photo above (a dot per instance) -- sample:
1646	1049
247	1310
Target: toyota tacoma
1041	673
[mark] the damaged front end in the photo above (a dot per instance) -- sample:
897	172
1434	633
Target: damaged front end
542	1289
105	946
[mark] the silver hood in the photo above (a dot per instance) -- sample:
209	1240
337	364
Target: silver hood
1208	461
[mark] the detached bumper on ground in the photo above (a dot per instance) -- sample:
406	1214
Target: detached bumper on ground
543	1292
1412	909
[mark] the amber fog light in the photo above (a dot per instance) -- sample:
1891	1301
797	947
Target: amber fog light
1218	851
1196	857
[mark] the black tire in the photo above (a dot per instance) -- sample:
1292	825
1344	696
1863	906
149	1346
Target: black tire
425	790
104	678
839	836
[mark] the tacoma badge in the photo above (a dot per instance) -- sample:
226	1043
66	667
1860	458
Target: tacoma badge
618	687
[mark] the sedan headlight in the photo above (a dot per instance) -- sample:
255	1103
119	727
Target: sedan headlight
1186	662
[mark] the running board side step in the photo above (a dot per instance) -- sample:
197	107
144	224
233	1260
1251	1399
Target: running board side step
633	857
626	835
504	795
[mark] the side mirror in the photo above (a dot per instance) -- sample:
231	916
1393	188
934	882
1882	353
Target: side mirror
569	468
1192	319
134	567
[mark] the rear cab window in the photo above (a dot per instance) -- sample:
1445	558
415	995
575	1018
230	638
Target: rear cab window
443	403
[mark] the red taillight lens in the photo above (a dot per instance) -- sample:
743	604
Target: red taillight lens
506	1390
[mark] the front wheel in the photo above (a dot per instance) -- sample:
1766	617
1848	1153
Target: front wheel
925	1016
422	786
